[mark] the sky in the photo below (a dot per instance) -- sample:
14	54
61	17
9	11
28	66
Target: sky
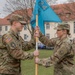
2	4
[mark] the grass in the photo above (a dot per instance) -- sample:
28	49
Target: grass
28	66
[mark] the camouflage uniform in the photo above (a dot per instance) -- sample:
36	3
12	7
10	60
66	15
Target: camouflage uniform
12	50
73	46
63	55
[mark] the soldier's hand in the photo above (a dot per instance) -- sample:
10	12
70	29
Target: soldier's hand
36	53
36	32
37	60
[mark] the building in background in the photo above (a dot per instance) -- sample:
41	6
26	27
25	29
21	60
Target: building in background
65	15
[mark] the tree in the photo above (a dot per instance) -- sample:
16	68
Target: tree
22	7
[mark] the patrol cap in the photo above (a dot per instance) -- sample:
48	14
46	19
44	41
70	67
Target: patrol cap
63	27
16	17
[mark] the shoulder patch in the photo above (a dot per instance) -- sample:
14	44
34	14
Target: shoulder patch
7	38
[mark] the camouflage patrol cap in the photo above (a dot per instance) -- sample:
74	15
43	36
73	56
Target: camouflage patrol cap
16	17
63	26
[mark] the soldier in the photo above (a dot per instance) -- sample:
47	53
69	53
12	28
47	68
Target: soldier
13	47
63	55
73	45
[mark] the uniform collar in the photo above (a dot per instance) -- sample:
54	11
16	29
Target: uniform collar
14	33
62	40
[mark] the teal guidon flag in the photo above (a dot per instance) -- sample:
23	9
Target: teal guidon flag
45	14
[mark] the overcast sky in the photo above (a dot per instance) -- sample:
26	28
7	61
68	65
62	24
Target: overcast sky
2	4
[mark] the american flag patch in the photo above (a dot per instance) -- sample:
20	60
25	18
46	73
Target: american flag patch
8	39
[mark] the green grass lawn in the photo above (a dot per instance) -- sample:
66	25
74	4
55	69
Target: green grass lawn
28	66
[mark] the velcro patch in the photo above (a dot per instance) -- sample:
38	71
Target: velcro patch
8	39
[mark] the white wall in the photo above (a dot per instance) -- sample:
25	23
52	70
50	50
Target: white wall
71	23
26	32
50	31
3	29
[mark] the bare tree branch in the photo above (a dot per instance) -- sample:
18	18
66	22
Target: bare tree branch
21	7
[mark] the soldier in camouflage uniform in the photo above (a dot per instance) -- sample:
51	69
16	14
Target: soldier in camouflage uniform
73	45
13	47
63	56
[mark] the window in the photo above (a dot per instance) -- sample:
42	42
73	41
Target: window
0	28
25	27
47	25
25	36
48	36
68	15
6	28
74	27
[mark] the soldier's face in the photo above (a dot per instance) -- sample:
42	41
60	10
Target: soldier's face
60	33
19	26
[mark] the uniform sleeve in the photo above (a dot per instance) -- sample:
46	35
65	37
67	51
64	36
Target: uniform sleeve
73	48
57	56
46	41
14	50
27	45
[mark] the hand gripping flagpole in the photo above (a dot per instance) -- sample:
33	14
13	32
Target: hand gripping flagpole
36	65
45	14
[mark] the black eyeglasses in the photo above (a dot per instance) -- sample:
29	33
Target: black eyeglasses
23	23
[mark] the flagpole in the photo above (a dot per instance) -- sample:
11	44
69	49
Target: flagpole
36	65
42	11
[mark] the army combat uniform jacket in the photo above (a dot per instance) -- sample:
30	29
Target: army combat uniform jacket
62	58
12	50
